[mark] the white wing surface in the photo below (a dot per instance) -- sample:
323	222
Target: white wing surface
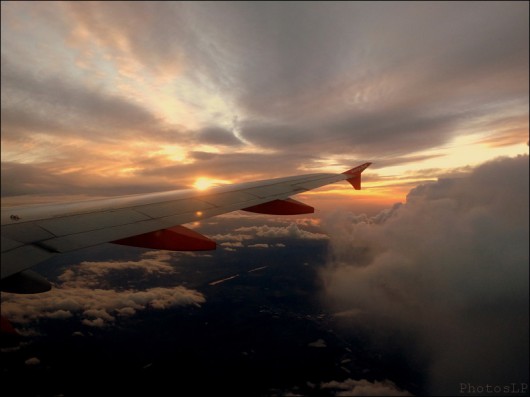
32	234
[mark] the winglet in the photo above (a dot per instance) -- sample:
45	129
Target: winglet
355	173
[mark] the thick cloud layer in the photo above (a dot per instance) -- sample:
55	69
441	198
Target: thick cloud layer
449	270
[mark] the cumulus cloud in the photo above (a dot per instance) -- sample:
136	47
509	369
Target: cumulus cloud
363	387
291	231
95	307
237	244
80	295
258	246
32	361
450	268
318	343
93	274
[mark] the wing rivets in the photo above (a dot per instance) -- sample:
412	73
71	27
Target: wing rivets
15	217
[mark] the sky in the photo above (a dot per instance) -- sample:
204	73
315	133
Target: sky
115	98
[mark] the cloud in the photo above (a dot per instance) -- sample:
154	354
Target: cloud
363	387
450	267
86	293
217	136
318	343
341	78
94	274
237	244
94	307
258	246
291	231
146	37
233	165
32	361
57	106
233	239
128	98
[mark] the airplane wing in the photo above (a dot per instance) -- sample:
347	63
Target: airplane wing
32	234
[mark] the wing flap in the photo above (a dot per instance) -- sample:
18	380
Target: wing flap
22	258
25	232
26	282
8	244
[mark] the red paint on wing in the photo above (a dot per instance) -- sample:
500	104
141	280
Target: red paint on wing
6	328
281	207
177	238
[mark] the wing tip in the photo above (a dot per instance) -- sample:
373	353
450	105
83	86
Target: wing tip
355	175
359	169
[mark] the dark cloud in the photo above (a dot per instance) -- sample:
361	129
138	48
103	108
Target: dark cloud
372	78
379	133
396	160
290	48
24	179
372	66
19	124
202	155
278	136
303	81
217	136
233	166
363	387
50	104
449	268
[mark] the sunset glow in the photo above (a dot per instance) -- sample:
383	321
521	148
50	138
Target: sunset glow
173	283
206	183
114	110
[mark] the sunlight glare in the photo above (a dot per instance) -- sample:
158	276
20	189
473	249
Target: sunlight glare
204	183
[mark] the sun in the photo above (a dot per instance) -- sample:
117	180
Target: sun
203	183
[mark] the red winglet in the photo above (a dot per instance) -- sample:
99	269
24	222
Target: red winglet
355	180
